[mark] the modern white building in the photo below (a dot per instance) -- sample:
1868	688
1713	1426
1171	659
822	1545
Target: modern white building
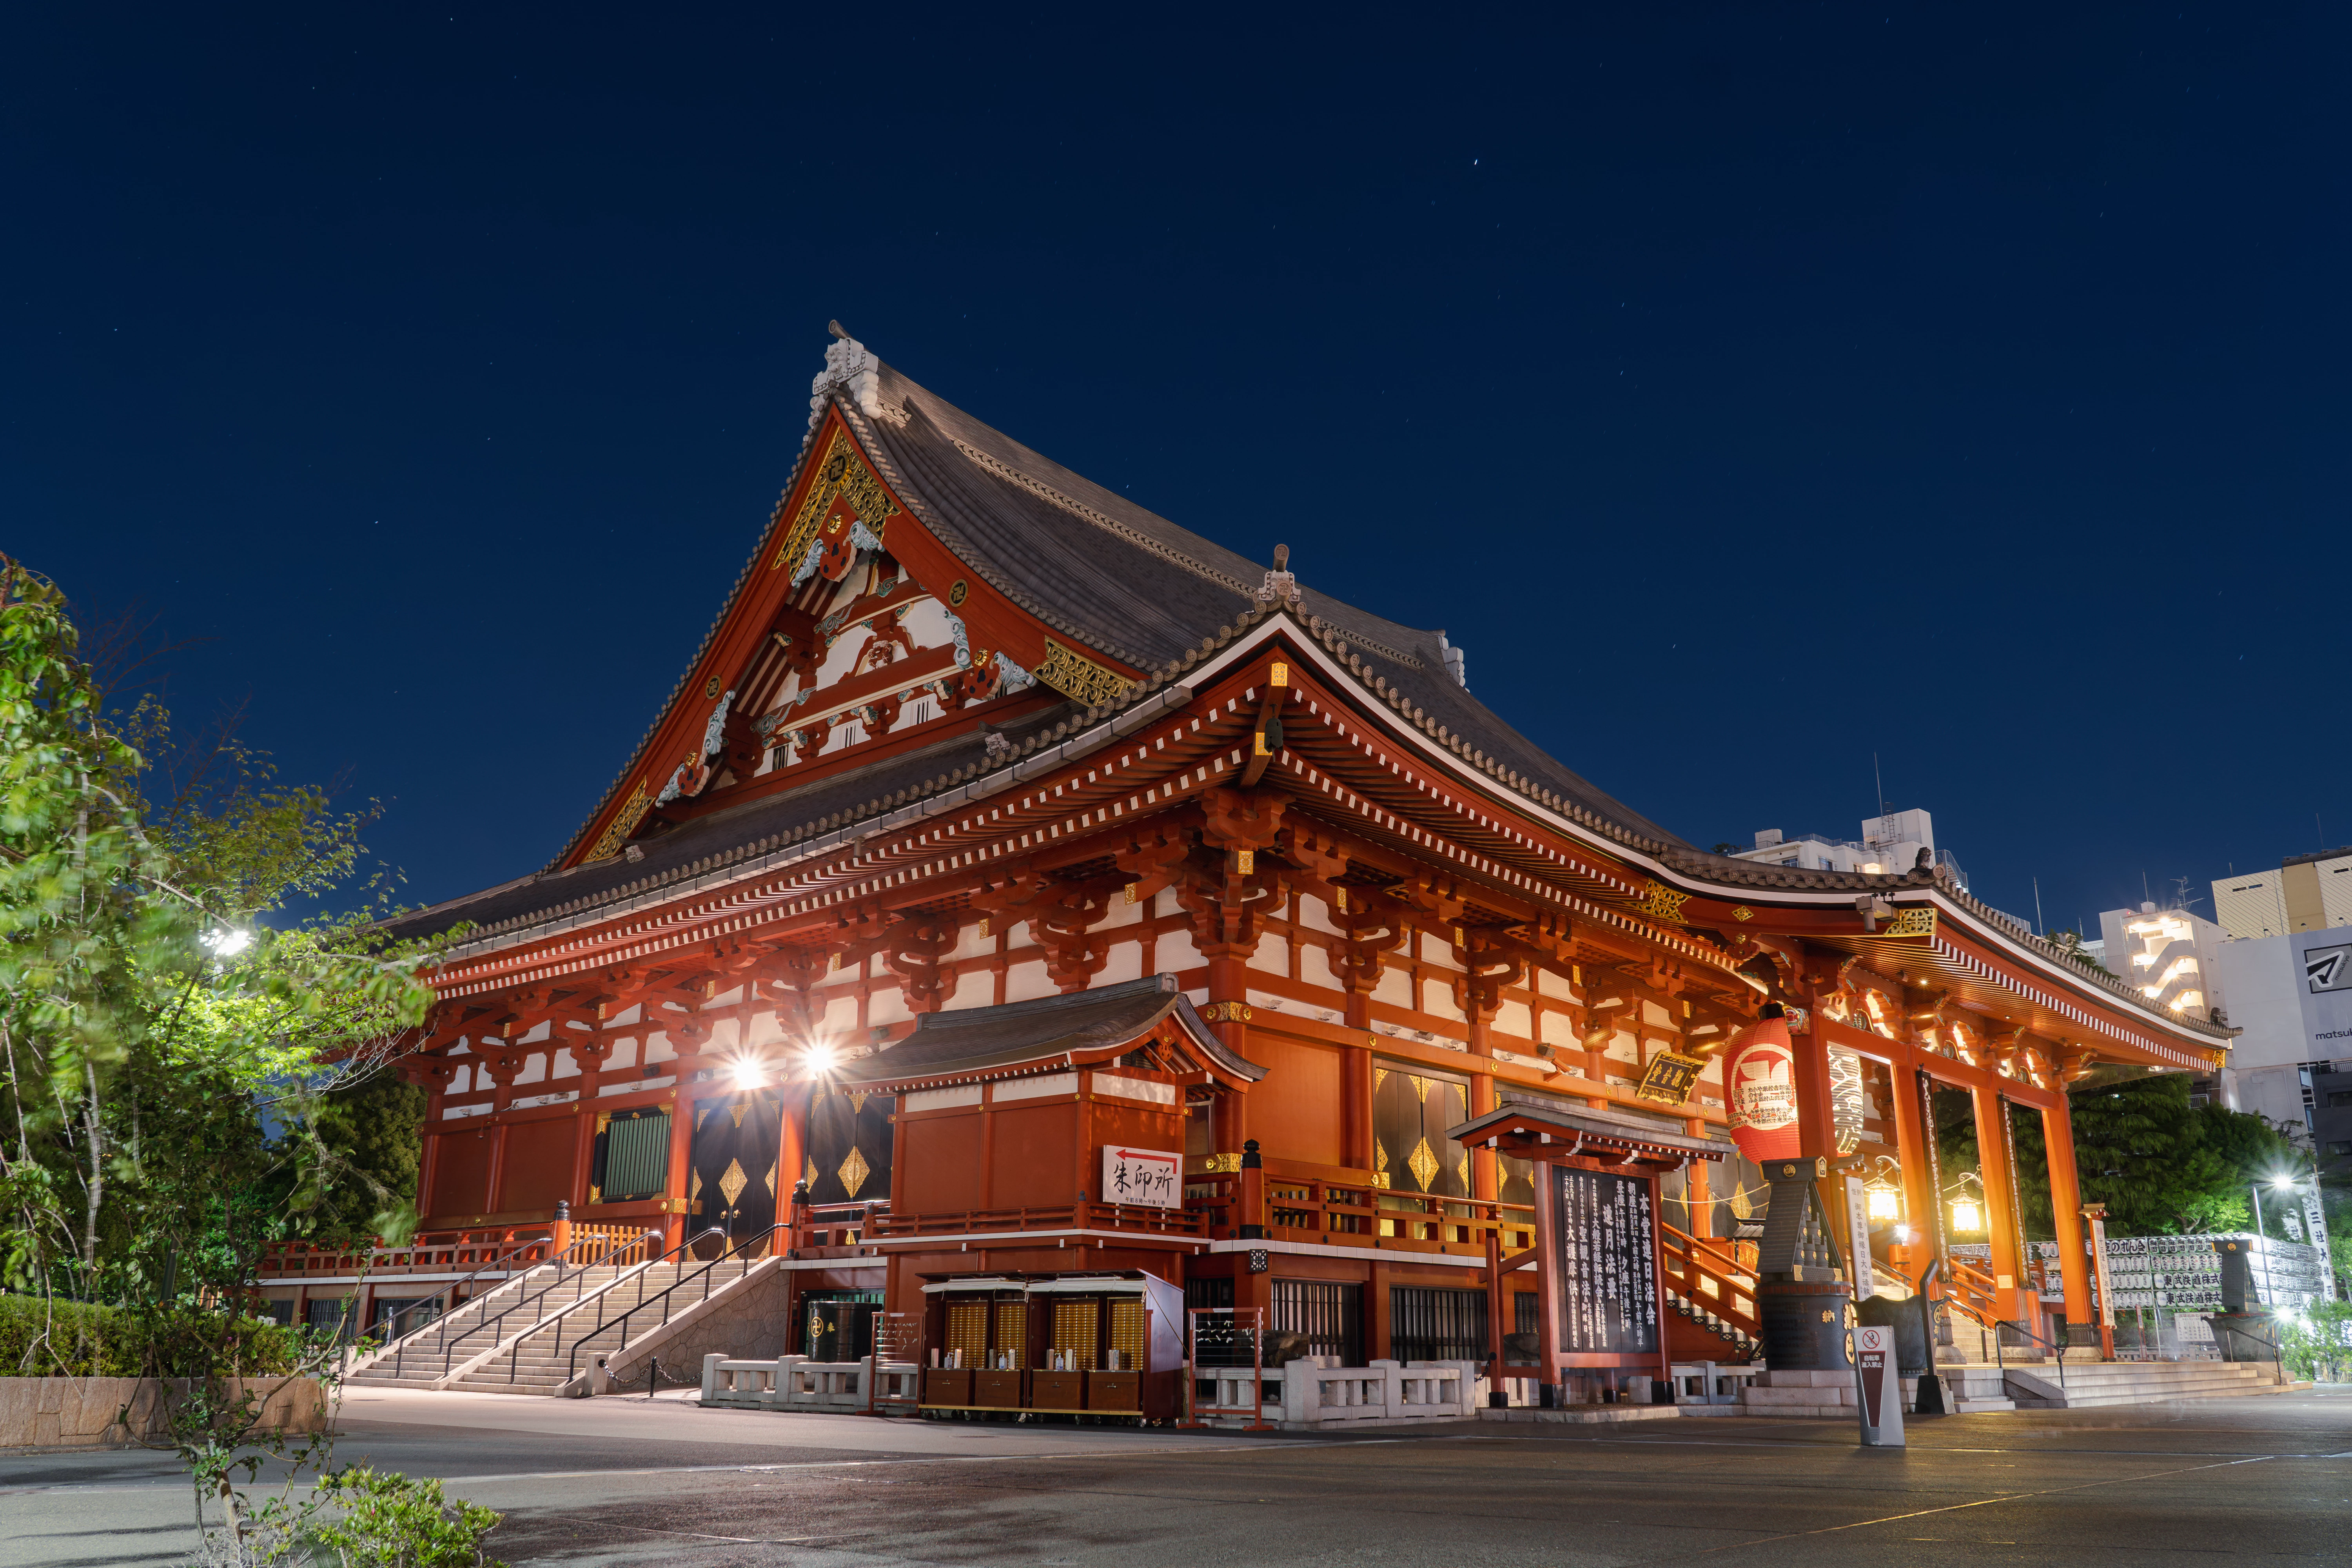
2288	972
2169	955
1889	845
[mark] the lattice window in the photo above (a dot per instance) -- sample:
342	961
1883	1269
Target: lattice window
1331	1315
968	1331
1077	1326
1009	1333
1128	1326
1437	1325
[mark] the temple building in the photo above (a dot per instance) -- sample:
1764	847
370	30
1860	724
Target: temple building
1026	912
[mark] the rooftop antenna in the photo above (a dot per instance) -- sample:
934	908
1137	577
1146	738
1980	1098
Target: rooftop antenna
2038	930
1878	783
2145	896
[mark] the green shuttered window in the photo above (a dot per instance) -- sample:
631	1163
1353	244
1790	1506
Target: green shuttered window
633	1157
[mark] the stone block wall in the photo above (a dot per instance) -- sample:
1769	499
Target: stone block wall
114	1412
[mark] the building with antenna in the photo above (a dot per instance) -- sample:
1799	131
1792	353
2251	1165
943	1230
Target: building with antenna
1889	845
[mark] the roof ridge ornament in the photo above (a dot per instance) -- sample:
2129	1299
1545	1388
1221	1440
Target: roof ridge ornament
850	367
1281	584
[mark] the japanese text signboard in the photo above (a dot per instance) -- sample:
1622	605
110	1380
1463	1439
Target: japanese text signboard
1608	1261
1151	1176
1668	1078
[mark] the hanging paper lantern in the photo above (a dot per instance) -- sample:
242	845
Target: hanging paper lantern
1760	1082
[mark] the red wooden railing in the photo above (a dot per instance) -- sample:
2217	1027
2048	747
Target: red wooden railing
1711	1276
1972	1290
1352	1213
1142	1217
426	1252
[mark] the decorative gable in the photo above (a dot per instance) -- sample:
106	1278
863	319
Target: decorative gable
854	627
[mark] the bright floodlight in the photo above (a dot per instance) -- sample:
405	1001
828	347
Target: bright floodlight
820	1057
2283	1180
228	941
748	1072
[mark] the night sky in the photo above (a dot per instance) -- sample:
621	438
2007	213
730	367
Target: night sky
1750	389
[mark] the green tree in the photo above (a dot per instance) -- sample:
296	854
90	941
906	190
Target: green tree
2162	1166
190	1072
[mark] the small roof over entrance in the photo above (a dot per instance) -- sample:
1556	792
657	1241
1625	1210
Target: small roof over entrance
1555	1132
1080	1029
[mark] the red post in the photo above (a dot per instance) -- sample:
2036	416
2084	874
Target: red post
2065	1209
681	1138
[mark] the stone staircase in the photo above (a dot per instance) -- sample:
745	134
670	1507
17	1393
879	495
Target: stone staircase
1745	1343
522	1340
2095	1385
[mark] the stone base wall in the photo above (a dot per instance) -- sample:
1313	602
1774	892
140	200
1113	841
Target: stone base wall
748	1321
115	1412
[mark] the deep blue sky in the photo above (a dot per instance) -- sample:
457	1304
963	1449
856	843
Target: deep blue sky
1750	389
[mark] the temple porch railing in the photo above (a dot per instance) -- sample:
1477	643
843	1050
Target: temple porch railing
524	1245
1324	1212
1710	1276
1140	1218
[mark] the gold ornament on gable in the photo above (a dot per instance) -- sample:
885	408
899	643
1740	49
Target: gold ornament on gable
1074	675
842	474
624	822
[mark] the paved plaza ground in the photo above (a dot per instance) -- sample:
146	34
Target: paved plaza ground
624	1481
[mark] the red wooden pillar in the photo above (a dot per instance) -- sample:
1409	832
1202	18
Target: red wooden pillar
792	1142
1228	1013
583	1152
1816	1130
1991	1112
1356	1087
681	1139
1911	1152
2065	1208
1698	1196
493	1197
428	1164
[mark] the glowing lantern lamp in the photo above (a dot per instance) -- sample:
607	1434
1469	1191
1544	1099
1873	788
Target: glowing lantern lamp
1966	1215
1885	1204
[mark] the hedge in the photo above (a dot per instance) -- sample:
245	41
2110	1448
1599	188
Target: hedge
87	1340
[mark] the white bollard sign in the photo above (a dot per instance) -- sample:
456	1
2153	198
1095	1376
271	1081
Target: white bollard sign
1879	1390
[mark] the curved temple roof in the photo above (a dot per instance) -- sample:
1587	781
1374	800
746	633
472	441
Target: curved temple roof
983	1041
1129	583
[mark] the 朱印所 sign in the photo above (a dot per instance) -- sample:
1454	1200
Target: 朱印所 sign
1151	1176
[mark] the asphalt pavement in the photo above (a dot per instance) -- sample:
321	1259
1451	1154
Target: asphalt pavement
607	1481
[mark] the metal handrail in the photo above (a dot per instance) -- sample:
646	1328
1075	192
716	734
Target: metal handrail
571	1366
2019	1324
449	1346
415	1329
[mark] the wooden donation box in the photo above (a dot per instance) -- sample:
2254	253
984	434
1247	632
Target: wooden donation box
1090	1344
1600	1275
